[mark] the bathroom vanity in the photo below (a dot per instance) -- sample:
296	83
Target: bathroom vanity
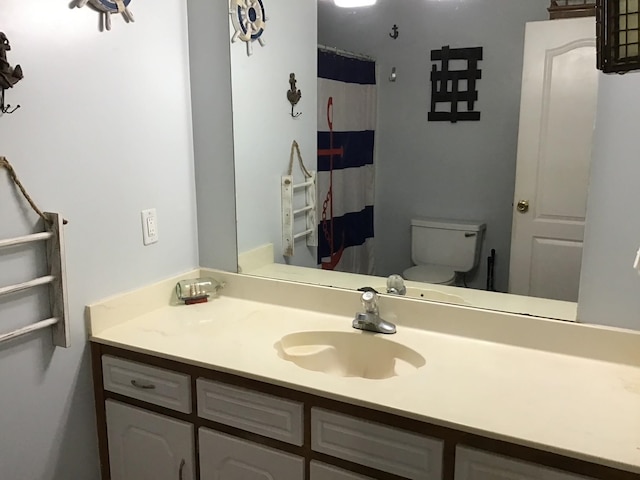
242	388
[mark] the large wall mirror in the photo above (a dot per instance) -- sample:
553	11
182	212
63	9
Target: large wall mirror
514	182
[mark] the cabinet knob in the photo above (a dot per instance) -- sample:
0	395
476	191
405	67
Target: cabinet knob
523	206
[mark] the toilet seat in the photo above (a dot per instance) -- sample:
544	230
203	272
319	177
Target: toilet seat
438	274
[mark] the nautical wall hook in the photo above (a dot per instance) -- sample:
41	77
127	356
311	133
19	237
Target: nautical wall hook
395	33
293	94
6	108
9	75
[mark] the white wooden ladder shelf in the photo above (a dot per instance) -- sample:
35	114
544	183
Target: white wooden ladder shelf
56	279
289	211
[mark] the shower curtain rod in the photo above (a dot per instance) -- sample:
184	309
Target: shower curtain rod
346	53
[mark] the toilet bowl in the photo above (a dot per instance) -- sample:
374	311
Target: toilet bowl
438	274
441	249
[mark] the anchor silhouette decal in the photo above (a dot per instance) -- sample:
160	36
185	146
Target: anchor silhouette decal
395	33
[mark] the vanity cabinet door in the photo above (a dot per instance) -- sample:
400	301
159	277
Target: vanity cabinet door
223	457
477	465
321	471
148	446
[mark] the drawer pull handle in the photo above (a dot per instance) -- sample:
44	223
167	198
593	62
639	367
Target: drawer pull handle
181	472
143	386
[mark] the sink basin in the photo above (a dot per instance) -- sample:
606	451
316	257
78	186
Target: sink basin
349	354
432	295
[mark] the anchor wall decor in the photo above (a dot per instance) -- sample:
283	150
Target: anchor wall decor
293	94
9	75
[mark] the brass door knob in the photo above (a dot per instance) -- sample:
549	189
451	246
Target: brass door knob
523	206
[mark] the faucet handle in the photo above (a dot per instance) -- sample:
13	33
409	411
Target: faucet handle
395	284
370	302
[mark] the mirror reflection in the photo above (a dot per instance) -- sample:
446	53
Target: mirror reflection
485	209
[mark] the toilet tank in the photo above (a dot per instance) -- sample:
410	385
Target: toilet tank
452	243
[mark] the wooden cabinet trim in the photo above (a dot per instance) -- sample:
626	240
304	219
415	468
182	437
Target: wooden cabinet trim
451	437
556	13
101	414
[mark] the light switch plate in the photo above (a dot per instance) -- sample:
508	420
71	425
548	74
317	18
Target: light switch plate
149	226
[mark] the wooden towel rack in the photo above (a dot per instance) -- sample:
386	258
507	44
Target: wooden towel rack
289	213
56	279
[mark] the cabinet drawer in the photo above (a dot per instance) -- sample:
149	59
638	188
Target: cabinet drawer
471	464
150	384
254	412
375	445
322	471
225	457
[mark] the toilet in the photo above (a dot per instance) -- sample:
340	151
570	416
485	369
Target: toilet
440	249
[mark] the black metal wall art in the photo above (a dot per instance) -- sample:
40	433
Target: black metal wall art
457	87
618	44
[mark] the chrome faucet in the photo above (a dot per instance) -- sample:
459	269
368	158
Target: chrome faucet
395	285
370	320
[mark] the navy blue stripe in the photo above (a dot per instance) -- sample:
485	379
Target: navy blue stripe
344	69
350	230
357	146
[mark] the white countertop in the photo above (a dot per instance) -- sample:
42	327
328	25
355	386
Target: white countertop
504	302
572	405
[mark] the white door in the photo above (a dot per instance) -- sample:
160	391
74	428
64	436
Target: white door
477	465
147	446
223	457
557	115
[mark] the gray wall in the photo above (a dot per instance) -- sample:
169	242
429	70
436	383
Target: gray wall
104	131
209	59
264	128
608	285
461	171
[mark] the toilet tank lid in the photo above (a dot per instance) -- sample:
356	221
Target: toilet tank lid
467	226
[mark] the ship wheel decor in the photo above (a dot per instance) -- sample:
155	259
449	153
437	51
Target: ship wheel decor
248	20
106	8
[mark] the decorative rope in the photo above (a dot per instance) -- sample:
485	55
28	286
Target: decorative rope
296	147
4	163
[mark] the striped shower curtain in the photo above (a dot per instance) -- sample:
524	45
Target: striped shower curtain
346	180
